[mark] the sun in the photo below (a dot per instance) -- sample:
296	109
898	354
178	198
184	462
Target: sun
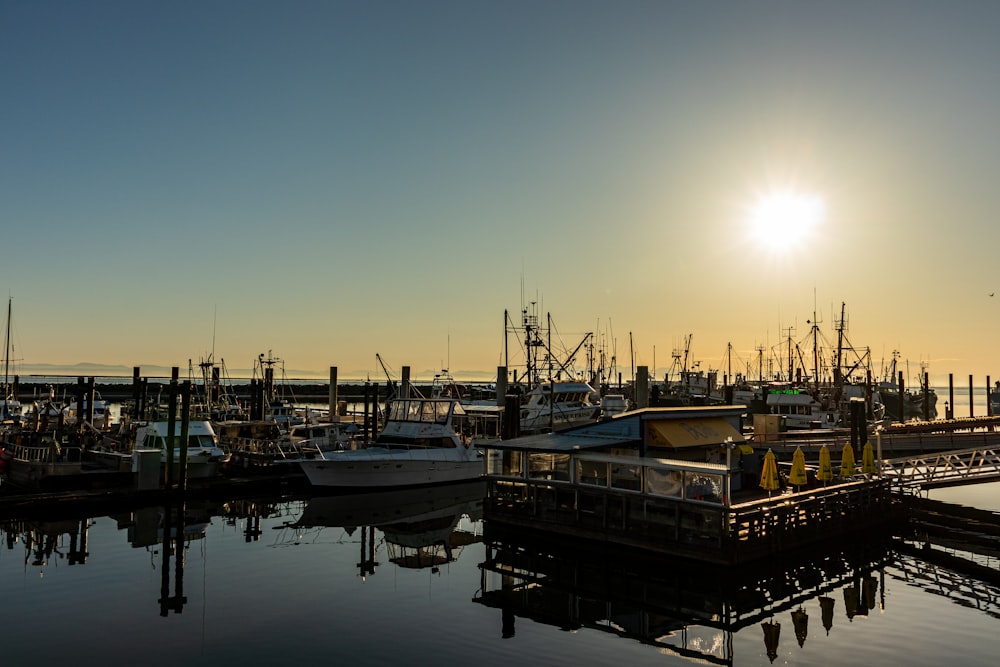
784	221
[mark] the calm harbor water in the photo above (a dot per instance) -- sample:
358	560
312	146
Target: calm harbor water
282	581
315	580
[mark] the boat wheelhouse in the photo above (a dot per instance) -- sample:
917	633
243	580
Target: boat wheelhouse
553	406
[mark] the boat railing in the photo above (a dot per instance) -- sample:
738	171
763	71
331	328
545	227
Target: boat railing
45	452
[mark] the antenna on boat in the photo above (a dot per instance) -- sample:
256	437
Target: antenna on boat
215	313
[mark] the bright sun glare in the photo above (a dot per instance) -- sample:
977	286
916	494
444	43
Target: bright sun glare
783	221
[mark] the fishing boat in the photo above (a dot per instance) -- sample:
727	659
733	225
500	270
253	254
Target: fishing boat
424	441
101	414
558	405
204	456
801	410
914	402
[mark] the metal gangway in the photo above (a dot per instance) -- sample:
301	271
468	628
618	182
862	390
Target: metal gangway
946	468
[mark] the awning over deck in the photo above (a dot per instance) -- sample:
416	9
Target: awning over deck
681	433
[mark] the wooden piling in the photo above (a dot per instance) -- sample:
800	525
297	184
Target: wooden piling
972	403
642	387
79	405
333	392
989	403
136	390
168	473
185	423
951	396
364	430
91	394
902	397
927	397
501	385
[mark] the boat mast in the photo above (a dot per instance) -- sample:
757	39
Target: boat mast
837	379
6	352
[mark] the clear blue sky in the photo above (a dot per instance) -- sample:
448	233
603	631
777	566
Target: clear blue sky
329	180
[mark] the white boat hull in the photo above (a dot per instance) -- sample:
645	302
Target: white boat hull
378	467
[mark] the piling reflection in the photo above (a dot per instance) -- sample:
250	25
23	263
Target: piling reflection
45	541
684	608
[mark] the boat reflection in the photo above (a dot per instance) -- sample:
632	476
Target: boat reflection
687	609
420	525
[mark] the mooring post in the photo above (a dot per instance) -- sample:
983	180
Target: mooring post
364	430
927	398
951	396
79	404
185	430
91	393
989	403
641	387
972	402
333	394
135	392
501	392
902	398
168	473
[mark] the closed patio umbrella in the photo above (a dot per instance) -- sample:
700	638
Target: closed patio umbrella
868	460
797	476
825	471
800	621
772	632
769	473
847	468
826	609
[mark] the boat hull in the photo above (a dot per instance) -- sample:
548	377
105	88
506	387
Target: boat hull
383	468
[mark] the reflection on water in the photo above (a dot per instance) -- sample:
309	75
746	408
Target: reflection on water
681	608
371	578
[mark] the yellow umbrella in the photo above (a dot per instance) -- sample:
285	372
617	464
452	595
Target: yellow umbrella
769	473
800	621
772	631
826	609
868	460
798	474
825	471
847	468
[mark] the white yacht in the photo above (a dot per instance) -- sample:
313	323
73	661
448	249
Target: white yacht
424	441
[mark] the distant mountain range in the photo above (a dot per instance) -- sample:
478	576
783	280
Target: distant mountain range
88	369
